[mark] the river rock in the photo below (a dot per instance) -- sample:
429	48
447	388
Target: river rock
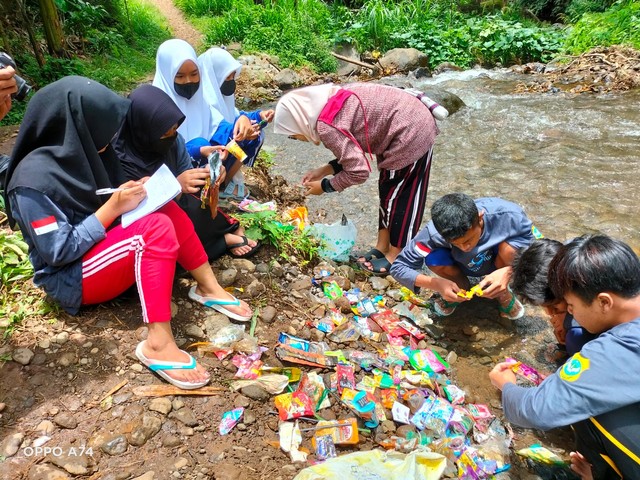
378	283
61	338
346	50
75	464
171	441
146	476
22	355
286	79
248	417
47	472
301	283
215	322
404	59
67	359
388	426
268	313
242	264
255	289
11	444
446	67
448	100
193	330
45	427
241	400
177	404
343	304
346	271
161	405
65	420
277	270
227	277
147	429
116	445
186	416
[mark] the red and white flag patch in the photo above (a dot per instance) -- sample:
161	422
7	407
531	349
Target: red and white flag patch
44	225
422	250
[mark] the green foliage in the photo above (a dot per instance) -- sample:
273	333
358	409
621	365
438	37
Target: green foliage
264	160
618	25
205	7
288	240
14	258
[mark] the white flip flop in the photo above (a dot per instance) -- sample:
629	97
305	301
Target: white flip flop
159	367
219	305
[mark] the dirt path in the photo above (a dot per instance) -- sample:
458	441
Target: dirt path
179	25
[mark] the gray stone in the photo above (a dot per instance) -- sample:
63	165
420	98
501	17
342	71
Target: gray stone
11	444
448	100
421	72
186	416
249	417
255	289
301	283
193	330
146	476
277	270
120	398
161	405
227	277
47	472
346	271
61	338
115	445
174	310
241	401
255	392
215	322
171	441
177	404
346	50
286	79
74	464
403	60
446	67
242	264
67	359
147	429
22	355
181	462
45	427
388	426
268	313
378	283
44	343
65	420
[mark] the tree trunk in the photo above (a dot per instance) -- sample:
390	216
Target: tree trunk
32	36
52	27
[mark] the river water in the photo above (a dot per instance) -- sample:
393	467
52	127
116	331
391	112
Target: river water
571	161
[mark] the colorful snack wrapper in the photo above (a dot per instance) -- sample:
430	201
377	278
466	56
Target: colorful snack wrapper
475	290
387	396
363	404
479	412
454	394
332	290
313	385
401	413
230	419
346	378
292	373
325	448
525	371
541	454
294	405
342	432
426	360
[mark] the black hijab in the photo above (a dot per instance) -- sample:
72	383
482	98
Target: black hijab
56	152
152	114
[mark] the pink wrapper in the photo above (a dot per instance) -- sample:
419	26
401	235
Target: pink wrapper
230	419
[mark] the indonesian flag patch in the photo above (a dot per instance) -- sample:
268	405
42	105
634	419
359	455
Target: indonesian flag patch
44	225
422	250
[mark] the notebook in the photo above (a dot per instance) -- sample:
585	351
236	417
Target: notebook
161	188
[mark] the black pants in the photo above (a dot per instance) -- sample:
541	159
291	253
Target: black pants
611	443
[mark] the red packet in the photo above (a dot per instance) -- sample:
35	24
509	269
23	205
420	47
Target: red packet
294	405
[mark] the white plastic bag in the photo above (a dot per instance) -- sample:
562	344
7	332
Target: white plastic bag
377	464
337	239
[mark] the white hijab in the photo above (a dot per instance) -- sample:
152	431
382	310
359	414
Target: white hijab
170	57
216	64
297	112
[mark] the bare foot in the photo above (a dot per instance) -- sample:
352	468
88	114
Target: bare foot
581	466
169	352
243	309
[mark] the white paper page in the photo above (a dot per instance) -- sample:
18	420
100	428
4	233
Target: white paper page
161	188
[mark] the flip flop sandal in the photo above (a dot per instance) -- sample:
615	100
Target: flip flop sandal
219	305
443	308
368	256
245	241
506	311
159	367
377	264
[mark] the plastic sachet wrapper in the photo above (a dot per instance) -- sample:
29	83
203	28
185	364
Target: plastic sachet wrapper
230	419
294	405
427	360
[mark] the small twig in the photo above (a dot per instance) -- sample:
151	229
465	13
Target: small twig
113	390
354	61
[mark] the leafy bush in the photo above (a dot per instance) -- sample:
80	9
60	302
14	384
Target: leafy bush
618	25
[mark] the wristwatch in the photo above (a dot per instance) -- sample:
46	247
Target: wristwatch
326	185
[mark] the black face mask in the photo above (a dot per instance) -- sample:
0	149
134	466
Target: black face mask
186	90
228	88
163	145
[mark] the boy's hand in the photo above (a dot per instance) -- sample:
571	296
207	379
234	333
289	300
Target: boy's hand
313	188
209	149
448	290
581	466
501	375
192	180
496	283
243	128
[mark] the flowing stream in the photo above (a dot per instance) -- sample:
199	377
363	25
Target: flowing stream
570	160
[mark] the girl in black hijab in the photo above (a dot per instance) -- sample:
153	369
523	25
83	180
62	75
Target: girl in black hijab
148	138
79	256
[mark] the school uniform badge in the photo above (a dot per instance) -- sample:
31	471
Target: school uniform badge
422	250
575	366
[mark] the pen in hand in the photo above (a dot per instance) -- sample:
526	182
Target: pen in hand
108	191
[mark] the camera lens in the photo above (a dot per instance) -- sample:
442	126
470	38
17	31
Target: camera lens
23	88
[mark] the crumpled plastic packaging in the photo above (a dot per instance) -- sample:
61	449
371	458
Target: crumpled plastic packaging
272	383
290	440
378	464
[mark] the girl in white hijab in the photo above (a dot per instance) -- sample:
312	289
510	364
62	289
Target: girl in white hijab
219	71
